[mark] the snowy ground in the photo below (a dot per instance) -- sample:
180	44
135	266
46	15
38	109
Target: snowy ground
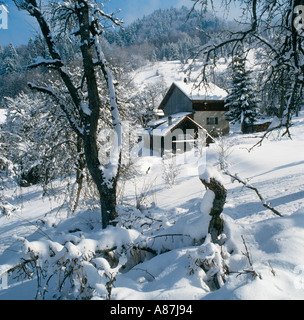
275	244
167	72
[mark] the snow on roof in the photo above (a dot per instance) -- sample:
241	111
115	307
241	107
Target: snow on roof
194	92
159	112
176	116
163	126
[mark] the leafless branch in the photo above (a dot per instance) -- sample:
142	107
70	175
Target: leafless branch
266	134
247	185
48	63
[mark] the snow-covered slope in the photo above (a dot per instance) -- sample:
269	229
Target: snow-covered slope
170	223
174	71
275	244
165	71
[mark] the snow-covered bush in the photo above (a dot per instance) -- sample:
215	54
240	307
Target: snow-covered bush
8	180
6	208
78	268
140	220
170	169
209	258
85	262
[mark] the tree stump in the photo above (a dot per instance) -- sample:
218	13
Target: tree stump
216	224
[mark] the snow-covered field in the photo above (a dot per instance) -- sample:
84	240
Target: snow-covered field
171	222
166	72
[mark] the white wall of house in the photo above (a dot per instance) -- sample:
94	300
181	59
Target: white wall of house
201	118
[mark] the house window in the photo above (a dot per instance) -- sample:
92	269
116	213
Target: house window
212	121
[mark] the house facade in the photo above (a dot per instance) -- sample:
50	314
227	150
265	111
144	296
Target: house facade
207	105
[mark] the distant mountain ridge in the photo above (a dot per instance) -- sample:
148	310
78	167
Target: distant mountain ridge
162	23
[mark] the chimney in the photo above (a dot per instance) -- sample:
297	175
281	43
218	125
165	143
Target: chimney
170	121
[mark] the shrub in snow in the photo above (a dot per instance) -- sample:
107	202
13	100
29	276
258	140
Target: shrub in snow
140	220
6	208
209	258
85	263
77	269
8	181
170	170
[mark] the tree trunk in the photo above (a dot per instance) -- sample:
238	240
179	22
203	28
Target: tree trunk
107	192
106	189
244	126
79	172
216	223
108	206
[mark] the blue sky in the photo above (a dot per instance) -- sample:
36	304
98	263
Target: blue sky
21	26
132	9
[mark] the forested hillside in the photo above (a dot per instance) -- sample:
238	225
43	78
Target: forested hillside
14	62
164	35
167	23
172	33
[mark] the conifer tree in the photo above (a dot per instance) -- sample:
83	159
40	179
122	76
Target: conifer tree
241	99
10	63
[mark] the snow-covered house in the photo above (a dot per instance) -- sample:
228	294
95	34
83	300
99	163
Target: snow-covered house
186	110
206	105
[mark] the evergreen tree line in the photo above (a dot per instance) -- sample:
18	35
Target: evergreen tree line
172	32
164	35
161	25
14	62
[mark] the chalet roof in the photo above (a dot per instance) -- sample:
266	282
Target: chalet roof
163	126
198	93
195	93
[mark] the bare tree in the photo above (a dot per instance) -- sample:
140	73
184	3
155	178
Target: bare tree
82	103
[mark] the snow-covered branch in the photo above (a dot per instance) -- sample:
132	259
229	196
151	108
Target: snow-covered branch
271	129
65	108
267	205
114	163
224	152
45	62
